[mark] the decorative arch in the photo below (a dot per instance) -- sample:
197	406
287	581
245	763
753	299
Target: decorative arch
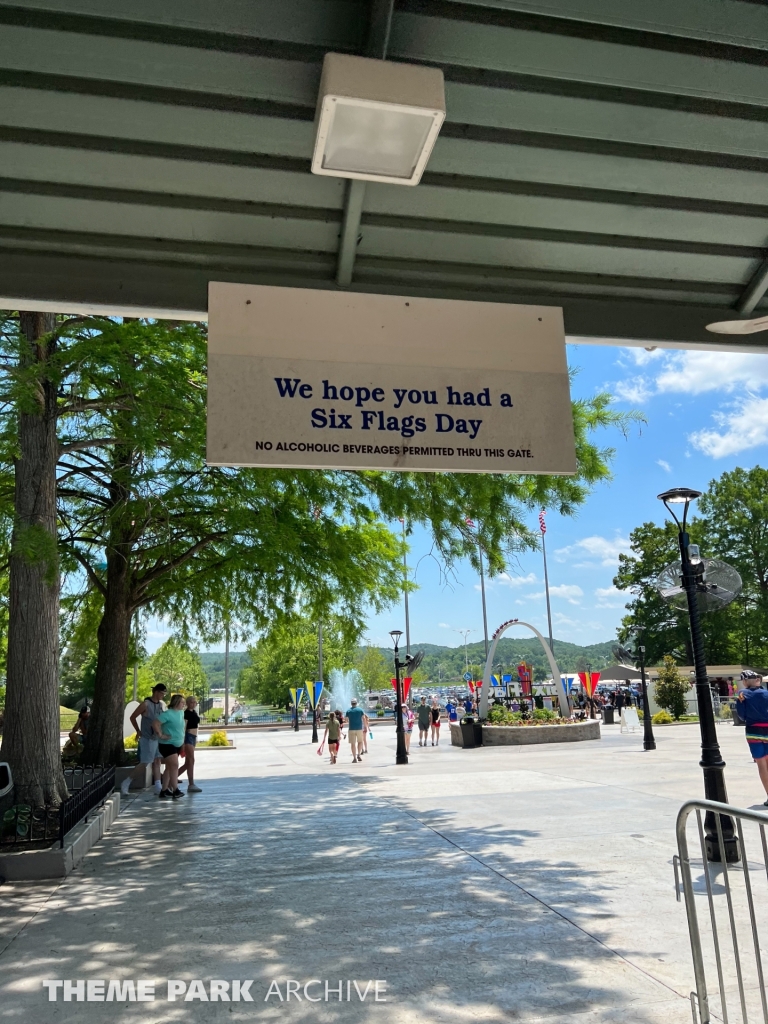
562	696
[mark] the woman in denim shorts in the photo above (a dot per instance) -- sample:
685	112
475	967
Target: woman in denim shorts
191	722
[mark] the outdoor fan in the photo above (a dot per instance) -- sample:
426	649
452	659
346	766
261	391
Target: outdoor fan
623	656
717	584
759	323
413	661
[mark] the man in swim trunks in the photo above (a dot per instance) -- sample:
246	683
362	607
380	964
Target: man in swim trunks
753	708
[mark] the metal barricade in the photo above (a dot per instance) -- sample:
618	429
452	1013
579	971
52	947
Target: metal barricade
725	941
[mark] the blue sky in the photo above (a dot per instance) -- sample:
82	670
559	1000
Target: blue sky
707	412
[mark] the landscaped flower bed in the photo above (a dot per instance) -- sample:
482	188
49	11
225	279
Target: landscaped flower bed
535	731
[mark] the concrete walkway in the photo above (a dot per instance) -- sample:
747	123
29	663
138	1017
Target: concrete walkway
491	885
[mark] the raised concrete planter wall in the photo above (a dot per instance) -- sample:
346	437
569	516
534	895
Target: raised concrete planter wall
54	862
520	735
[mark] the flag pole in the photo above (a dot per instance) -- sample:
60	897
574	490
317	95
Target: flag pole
543	528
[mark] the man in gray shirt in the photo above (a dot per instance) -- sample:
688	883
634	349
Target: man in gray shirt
148	711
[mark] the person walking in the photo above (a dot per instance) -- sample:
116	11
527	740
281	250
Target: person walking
408	720
169	729
435	723
424	720
148	711
366	728
191	723
753	708
356	723
332	734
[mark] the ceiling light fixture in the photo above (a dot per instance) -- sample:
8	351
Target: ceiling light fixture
376	120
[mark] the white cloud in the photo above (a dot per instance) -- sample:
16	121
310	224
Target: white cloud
742	427
568	591
443	625
635	390
643	356
515	582
694	373
606	549
664	465
610	597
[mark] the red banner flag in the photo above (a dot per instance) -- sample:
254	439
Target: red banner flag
525	675
406	687
589	681
471	686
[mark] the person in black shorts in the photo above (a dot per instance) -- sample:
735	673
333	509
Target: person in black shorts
169	727
191	723
333	733
434	712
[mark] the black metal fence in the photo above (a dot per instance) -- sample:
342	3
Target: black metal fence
24	826
93	784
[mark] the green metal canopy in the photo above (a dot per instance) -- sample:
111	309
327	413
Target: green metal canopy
604	155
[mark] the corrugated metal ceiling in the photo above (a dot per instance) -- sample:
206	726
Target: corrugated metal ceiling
602	155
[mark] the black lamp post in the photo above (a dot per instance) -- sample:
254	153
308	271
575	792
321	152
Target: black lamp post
649	743
712	761
401	756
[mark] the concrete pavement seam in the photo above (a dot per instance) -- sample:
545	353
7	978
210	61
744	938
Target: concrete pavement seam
543	903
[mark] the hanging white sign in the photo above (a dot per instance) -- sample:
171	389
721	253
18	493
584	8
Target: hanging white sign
320	379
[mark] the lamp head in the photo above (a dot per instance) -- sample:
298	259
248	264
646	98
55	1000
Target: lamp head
395	634
679	495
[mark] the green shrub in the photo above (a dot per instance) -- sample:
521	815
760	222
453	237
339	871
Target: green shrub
671	689
218	739
545	715
725	711
131	743
662	718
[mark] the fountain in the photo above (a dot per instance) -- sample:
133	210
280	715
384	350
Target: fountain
343	685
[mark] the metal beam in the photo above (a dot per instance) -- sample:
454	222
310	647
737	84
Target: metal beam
128	287
379	28
350	231
755	290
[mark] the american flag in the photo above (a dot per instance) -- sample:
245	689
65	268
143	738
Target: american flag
542	524
469	522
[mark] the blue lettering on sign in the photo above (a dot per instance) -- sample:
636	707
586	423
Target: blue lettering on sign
446	423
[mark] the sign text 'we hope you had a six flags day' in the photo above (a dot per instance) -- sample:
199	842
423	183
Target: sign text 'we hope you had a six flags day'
320	379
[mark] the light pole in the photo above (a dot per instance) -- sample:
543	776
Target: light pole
649	743
401	757
712	763
465	633
405	595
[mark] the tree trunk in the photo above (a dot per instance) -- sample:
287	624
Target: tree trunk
104	742
31	743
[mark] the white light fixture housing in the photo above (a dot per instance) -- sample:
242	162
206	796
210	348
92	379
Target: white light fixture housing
376	120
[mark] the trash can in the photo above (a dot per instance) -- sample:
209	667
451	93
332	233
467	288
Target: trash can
469	733
608	716
478	734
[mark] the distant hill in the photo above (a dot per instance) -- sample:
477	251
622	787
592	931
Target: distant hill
213	664
447	664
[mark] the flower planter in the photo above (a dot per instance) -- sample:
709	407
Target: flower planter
519	735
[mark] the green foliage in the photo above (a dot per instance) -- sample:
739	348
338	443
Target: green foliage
67	719
131	743
545	715
375	668
671	689
213	666
145	682
37	547
445	665
217	739
286	656
662	718
732	525
179	668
